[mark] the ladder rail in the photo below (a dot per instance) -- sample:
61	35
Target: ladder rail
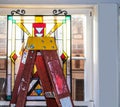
45	80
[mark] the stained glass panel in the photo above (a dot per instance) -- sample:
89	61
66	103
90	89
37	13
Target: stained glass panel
22	27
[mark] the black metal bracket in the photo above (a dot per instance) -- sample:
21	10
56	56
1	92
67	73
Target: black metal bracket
19	12
59	12
55	12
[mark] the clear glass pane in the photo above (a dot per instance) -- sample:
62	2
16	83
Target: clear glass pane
78	34
3	43
2	87
79	89
2	46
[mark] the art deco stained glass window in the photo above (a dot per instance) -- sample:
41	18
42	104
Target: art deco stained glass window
22	27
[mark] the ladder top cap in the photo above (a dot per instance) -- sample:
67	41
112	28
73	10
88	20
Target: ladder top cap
41	43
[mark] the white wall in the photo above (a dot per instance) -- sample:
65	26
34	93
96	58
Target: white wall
108	55
106	92
105	47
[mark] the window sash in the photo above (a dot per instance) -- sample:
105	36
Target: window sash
87	58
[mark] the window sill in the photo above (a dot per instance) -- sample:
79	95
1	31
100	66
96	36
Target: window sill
43	104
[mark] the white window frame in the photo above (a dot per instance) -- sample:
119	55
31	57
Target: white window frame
89	46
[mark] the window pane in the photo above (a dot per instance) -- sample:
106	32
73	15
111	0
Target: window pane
80	89
78	60
3	43
77	35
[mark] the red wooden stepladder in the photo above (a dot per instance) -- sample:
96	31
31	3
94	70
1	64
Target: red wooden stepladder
42	52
